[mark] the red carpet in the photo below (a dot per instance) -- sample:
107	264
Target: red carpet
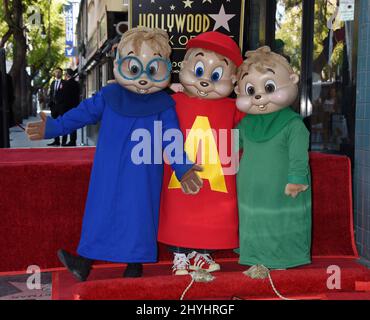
42	201
304	282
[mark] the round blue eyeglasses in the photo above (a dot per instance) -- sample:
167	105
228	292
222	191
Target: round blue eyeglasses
131	68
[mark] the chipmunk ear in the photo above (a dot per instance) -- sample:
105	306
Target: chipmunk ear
294	77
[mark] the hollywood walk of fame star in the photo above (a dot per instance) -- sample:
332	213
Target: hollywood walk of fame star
187	4
172	7
221	19
204	1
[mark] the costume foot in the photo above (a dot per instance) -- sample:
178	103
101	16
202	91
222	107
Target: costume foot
202	261
133	270
257	272
180	264
79	266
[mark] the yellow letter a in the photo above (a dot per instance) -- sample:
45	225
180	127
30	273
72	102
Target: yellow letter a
201	134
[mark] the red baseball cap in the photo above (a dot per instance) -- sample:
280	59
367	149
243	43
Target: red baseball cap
219	43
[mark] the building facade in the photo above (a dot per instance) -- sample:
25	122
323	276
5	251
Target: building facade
99	26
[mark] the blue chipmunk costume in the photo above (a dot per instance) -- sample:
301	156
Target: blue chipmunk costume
122	207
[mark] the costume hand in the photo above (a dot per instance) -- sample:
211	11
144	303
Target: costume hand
191	182
292	189
36	130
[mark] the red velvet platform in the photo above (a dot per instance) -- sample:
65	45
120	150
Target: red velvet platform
41	205
306	282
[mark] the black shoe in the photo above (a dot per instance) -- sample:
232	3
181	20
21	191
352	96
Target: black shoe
79	266
133	270
54	144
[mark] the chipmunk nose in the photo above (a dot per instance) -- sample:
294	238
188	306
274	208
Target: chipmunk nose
143	82
258	97
204	84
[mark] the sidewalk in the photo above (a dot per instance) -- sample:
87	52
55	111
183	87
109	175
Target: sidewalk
19	139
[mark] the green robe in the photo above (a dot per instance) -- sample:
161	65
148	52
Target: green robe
274	229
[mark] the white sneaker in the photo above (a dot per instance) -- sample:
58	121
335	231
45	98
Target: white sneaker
202	261
180	264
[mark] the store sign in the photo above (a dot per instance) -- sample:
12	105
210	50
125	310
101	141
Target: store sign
68	13
70	52
184	20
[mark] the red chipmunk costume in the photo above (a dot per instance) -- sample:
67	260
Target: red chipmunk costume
209	219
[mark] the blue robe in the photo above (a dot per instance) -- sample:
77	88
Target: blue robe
121	213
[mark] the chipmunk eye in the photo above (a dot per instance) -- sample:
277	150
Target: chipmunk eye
134	67
153	68
249	89
270	86
199	69
217	74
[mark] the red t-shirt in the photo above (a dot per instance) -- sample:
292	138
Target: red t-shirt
209	219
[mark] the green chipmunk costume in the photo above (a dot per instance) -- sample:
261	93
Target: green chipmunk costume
275	229
274	197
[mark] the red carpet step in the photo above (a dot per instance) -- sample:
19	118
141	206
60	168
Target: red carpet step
307	282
